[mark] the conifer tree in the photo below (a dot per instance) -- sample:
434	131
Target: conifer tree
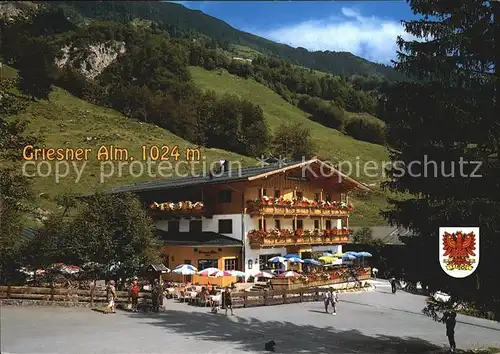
449	115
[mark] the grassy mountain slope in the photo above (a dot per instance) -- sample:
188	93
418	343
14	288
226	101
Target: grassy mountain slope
330	144
183	20
66	121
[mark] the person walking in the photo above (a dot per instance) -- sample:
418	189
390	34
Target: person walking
111	297
331	298
228	301
155	295
375	273
134	293
160	295
393	284
449	318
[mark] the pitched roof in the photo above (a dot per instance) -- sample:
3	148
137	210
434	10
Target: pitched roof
232	175
159	267
28	233
202	238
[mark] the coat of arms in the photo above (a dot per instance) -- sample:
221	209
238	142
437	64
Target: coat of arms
459	250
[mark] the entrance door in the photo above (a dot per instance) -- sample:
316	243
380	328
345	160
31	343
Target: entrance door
305	255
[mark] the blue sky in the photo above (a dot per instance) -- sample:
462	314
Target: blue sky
366	28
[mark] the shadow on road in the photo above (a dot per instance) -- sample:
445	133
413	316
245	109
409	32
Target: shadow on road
250	334
317	311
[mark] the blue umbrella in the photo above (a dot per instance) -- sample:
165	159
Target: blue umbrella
364	254
348	257
328	254
294	260
277	259
312	261
352	253
291	255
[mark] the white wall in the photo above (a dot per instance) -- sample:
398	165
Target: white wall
327	248
209	225
254	255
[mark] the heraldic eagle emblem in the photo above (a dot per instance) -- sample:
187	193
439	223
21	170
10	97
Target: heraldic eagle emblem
460	248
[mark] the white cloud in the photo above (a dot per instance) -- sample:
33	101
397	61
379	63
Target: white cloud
372	38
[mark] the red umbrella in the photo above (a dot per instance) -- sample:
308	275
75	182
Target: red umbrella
290	274
264	275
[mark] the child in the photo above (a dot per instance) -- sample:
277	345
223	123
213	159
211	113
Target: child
134	294
228	301
111	296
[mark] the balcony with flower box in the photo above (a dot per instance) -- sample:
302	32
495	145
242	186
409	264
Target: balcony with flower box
186	208
282	238
292	207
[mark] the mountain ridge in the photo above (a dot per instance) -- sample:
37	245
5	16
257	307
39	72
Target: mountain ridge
177	18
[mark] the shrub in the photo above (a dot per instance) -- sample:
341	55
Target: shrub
367	130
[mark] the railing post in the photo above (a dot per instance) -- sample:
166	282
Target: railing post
265	297
52	292
302	295
245	299
8	291
284	296
92	287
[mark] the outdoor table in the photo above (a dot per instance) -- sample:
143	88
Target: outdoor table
216	298
191	295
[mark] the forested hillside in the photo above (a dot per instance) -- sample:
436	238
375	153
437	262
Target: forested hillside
183	21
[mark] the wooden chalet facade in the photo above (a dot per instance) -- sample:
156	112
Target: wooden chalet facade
240	218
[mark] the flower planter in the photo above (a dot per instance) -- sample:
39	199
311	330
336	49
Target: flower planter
255	245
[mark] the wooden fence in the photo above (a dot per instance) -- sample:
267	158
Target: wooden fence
298	283
69	296
76	297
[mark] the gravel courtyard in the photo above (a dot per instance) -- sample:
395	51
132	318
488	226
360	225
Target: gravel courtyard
371	322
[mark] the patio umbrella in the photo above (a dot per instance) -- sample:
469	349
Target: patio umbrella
338	254
289	274
327	259
264	275
222	273
348	257
207	272
311	261
364	254
185	269
294	260
277	259
291	255
70	269
328	254
238	273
